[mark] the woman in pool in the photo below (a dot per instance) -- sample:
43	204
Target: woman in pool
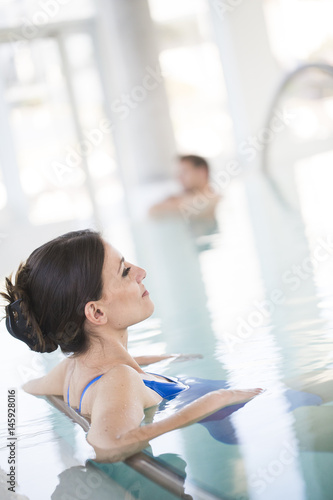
79	293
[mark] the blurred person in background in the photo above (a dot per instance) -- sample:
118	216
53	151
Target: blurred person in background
198	198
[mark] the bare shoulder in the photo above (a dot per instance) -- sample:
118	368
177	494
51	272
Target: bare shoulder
118	405
121	389
52	383
120	379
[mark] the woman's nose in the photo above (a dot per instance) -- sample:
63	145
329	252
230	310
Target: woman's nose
140	274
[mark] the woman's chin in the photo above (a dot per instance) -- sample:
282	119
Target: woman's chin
151	308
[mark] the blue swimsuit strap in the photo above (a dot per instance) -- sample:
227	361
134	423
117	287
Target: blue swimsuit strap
83	392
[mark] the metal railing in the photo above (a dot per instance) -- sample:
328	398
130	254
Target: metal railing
322	67
144	463
326	68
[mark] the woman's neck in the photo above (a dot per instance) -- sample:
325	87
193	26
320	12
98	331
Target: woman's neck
107	350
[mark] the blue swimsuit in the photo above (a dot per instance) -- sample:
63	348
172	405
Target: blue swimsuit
165	389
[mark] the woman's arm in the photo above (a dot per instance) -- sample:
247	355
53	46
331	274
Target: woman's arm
148	360
115	431
170	205
154	358
50	384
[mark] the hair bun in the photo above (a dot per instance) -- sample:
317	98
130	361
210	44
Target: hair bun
45	303
20	321
17	325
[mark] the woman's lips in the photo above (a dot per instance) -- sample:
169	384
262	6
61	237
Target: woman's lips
145	293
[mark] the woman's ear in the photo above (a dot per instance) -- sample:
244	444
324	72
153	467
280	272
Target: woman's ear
95	314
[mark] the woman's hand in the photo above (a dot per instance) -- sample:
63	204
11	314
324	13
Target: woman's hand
236	396
185	357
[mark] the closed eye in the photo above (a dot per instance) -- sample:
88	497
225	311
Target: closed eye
126	271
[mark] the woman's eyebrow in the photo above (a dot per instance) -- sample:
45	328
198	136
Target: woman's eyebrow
121	261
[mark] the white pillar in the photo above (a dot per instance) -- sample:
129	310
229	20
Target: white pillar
250	71
17	206
134	90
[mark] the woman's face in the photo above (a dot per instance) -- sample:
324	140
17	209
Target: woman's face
125	298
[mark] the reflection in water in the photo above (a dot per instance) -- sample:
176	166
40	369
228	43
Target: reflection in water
204	231
286	263
118	481
4	493
170	250
167	249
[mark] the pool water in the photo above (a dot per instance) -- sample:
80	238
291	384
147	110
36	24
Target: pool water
252	292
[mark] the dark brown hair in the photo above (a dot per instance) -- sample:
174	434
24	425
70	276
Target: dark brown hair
197	161
54	284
